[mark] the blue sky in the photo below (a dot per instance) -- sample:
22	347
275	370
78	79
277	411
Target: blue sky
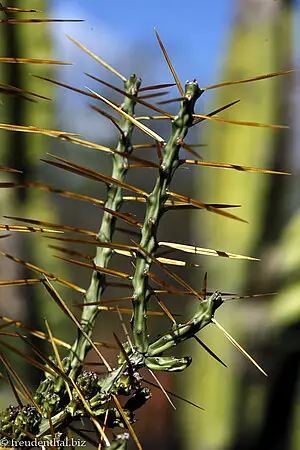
195	35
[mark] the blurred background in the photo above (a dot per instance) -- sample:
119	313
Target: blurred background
212	42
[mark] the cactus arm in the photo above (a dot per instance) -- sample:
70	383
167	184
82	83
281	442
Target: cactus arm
181	333
154	211
113	202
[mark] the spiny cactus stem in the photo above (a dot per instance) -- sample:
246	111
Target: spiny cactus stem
180	333
154	211
113	202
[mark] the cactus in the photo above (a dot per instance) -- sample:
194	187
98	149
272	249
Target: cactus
68	392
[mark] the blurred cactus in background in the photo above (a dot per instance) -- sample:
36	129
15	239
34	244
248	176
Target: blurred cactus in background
22	150
247	411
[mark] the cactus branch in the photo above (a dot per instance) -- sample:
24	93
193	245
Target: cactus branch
113	202
180	333
154	211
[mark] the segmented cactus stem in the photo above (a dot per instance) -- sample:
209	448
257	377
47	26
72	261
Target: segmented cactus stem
113	202
154	211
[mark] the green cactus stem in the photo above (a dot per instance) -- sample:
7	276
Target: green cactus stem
154	210
113	202
180	333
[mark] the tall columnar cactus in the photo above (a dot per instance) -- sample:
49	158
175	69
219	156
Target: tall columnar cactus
24	102
68	392
261	28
